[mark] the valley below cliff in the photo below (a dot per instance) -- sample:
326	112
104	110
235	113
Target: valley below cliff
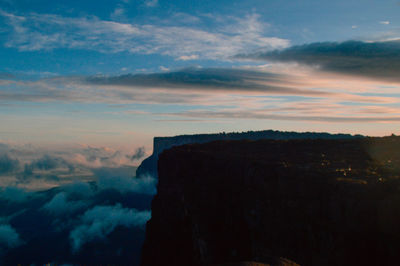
277	202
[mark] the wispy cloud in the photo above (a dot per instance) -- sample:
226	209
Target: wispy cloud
139	154
264	93
35	31
151	3
187	86
208	79
215	89
188	57
265	114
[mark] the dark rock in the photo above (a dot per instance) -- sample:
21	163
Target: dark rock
149	166
316	202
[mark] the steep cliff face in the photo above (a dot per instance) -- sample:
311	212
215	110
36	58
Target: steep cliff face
149	165
316	202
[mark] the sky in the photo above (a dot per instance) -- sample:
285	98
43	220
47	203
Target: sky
86	85
114	74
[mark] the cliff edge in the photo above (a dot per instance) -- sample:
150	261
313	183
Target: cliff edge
314	202
149	165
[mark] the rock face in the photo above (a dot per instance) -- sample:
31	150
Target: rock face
149	165
315	202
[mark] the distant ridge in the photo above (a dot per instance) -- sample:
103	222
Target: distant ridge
149	166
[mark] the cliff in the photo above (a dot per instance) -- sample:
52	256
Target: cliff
315	202
149	165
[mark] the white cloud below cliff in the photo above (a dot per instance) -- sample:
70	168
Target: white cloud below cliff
100	221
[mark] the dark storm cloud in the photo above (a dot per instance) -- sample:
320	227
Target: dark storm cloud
379	60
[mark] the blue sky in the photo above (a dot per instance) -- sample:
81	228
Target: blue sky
117	73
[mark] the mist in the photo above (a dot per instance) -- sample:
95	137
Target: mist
65	206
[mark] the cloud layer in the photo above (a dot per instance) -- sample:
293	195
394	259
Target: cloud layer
90	209
207	79
34	168
380	60
121	180
33	32
60	205
279	91
9	238
8	164
100	221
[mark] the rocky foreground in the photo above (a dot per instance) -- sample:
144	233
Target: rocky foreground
276	202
